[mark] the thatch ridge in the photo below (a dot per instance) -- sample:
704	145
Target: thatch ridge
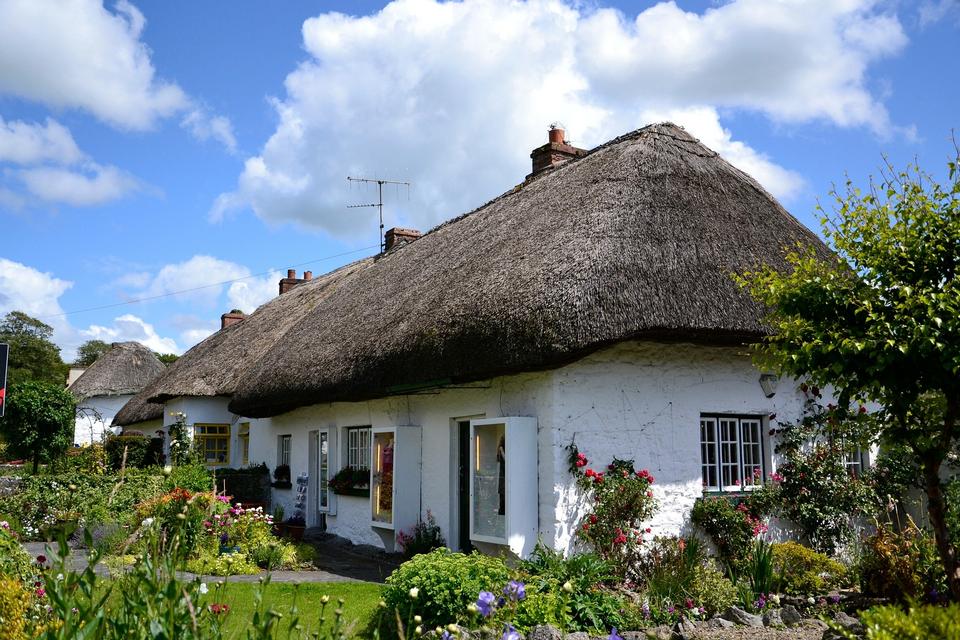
138	409
636	239
125	368
216	365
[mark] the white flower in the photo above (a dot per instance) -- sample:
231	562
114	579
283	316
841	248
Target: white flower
203	588
811	600
568	587
414	592
146	522
417	619
59	576
418	630
775	599
167	470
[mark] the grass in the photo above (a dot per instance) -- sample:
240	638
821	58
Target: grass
360	603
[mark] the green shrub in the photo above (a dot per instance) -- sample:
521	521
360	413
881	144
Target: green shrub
669	569
801	571
249	484
447	582
15	562
918	622
226	564
729	526
423	538
194	477
711	589
141	451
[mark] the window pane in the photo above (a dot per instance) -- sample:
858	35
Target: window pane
729	453
382	486
324	465
489	480
750	431
358	448
708	452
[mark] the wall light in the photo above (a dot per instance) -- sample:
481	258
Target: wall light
768	382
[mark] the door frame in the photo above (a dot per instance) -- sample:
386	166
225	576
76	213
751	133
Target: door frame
456	489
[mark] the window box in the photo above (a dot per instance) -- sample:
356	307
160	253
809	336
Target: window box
351	481
395	477
504	500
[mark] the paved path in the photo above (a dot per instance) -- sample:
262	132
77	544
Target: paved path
336	561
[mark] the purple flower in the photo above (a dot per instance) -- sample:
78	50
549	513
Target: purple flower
509	633
835	598
515	591
224	537
485	603
614	635
447	636
646	610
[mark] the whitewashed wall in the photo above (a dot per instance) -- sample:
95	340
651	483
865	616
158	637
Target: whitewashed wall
643	401
636	400
96	416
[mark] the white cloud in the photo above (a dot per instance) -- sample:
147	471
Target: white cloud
932	11
32	143
36	293
94	185
249	294
204	126
81	55
198	278
130	327
452	96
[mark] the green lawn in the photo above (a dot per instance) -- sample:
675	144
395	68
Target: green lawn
360	602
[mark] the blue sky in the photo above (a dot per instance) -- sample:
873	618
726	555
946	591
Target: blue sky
147	148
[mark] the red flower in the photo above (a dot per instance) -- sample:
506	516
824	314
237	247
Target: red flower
649	478
586	526
589	473
41	559
863	409
581	460
647	529
593	519
649	494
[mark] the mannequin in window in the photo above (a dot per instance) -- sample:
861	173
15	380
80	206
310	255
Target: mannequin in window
501	479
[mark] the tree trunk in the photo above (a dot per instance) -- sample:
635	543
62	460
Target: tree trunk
937	510
36	461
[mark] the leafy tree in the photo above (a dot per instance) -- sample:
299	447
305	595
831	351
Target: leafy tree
89	352
33	355
39	421
882	322
166	358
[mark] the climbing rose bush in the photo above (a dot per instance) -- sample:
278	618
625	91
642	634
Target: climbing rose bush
621	500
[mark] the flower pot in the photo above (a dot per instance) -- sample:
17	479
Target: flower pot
280	530
295	531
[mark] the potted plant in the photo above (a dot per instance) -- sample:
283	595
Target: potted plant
295	526
281	477
351	481
279	527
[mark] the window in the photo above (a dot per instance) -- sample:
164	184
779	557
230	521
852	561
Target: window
213	443
323	470
358	447
731	452
855	462
243	434
283	450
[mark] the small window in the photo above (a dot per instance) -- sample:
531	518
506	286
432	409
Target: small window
855	462
243	434
213	443
358	447
283	450
732	456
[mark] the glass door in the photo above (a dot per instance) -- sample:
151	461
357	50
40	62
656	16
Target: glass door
323	469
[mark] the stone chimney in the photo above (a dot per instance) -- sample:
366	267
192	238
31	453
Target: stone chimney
397	237
555	152
233	317
292	280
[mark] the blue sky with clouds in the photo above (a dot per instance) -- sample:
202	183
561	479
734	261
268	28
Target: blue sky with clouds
149	148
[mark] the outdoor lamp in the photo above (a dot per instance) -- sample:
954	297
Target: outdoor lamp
768	382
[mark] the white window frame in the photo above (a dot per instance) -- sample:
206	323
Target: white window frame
324	462
358	443
732	446
283	449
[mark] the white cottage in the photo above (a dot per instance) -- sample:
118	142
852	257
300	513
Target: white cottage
592	304
109	384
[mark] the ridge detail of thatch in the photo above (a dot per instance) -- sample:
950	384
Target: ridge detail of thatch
126	368
637	239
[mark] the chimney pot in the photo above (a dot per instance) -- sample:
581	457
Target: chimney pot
291	273
232	317
308	275
555	152
555	135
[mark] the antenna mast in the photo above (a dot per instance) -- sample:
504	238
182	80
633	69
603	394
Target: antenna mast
379	203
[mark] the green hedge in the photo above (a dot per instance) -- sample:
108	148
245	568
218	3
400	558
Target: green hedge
249	484
142	451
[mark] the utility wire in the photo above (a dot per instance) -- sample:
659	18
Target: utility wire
203	286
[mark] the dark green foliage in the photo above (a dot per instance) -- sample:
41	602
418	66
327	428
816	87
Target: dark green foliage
194	477
249	484
166	358
800	571
447	582
33	355
882	322
141	452
39	421
89	352
730	527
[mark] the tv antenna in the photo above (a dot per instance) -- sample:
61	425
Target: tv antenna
379	203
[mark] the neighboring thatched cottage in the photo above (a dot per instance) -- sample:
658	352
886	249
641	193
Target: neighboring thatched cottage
109	384
592	304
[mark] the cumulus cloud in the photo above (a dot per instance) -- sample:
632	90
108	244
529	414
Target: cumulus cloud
33	143
452	96
130	327
82	55
199	280
249	294
93	185
29	290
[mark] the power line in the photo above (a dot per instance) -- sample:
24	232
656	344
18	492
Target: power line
204	286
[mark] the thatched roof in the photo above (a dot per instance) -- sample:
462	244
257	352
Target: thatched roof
638	239
215	366
127	367
138	409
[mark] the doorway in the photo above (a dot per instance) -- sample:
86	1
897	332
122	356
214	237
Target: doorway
463	486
